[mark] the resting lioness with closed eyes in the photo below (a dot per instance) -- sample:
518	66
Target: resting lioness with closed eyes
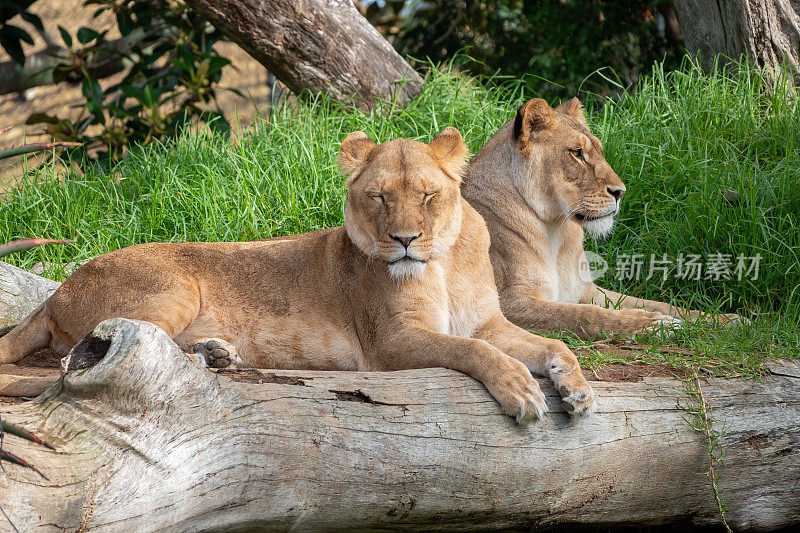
539	183
405	283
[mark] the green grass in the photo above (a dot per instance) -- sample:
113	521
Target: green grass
678	140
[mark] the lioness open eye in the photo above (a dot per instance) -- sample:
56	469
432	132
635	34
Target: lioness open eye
578	153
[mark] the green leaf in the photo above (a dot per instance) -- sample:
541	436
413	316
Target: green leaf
61	74
186	54
65	36
32	19
132	92
92	91
150	98
39	118
181	65
125	23
87	34
94	98
12	46
19	33
217	63
120	112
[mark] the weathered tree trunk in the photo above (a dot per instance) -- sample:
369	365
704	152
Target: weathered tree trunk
766	31
148	441
316	45
20	293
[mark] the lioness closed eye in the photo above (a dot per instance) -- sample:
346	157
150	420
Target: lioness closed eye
406	283
539	182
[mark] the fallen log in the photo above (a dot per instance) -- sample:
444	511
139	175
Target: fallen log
146	440
318	46
20	293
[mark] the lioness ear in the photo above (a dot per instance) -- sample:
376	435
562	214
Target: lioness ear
536	115
574	108
355	149
449	150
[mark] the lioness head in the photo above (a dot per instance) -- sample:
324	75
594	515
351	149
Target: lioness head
566	174
403	202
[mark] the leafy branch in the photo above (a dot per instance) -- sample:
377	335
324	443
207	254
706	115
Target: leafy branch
172	77
700	417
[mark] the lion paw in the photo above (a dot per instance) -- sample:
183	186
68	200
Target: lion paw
517	392
217	353
578	401
640	321
664	325
577	395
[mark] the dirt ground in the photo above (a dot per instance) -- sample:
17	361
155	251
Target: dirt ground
64	100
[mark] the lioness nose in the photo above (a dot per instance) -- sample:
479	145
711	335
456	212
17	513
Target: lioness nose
616	192
404	240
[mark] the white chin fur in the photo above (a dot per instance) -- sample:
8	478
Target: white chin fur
406	269
599	228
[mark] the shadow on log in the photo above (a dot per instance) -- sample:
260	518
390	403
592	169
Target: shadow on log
148	441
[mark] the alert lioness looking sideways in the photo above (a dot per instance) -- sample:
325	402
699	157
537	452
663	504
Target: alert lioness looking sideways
405	283
539	182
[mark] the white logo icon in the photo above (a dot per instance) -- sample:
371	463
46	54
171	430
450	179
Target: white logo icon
591	267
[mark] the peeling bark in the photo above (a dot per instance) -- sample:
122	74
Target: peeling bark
316	45
148	441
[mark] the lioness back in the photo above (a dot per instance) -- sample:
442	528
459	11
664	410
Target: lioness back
279	300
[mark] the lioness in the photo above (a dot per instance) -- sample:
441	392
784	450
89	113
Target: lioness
539	182
405	283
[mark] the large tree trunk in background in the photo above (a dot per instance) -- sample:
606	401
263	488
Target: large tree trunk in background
148	441
316	45
766	31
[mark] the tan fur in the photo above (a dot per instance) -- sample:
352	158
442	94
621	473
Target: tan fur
538	194
406	283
